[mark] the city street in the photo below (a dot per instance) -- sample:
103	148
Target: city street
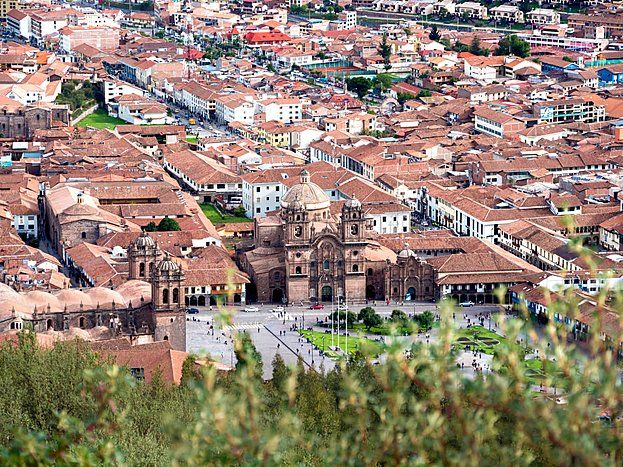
274	334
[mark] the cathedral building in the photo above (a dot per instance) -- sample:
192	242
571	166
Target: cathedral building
149	307
318	251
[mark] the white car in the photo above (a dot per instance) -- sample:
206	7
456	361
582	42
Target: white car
468	303
251	309
278	309
342	308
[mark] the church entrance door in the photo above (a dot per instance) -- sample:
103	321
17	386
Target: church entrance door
326	294
277	296
410	294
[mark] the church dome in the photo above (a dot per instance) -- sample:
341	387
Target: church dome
144	241
168	264
406	252
135	290
305	195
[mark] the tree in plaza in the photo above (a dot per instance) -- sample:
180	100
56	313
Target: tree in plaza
365	312
434	33
385	51
513	45
369	317
383	81
424	320
398	316
372	320
359	85
168	225
342	316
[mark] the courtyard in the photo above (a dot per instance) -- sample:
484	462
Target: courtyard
100	120
216	217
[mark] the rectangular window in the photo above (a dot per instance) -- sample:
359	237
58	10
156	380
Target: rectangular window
138	373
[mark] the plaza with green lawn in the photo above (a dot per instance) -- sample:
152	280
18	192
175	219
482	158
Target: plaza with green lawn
322	341
477	338
216	217
100	119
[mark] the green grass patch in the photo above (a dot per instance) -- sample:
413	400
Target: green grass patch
217	218
386	329
537	371
192	139
322	341
478	338
100	120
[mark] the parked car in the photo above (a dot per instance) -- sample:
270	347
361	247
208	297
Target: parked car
251	309
342	308
278	309
316	306
192	311
468	303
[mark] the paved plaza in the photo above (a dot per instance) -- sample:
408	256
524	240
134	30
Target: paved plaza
274	333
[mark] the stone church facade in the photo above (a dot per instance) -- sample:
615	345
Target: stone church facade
162	318
311	253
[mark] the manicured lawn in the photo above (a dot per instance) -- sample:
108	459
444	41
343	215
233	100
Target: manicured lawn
192	139
478	338
386	328
217	218
537	371
100	119
368	346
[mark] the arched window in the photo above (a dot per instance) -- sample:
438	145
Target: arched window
325	265
355	268
82	322
166	338
49	325
354	229
165	296
297	270
141	269
370	271
176	295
